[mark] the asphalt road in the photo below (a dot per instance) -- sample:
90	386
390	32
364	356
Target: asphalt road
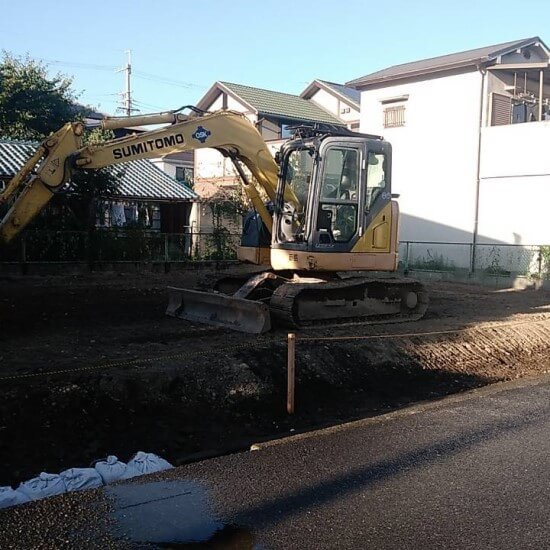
470	471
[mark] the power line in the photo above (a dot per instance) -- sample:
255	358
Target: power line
139	74
148	105
79	65
168	81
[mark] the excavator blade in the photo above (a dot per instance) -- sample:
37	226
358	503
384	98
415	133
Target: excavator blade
219	310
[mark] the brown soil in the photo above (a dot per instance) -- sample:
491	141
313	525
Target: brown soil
90	365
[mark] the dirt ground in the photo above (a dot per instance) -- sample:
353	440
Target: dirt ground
90	366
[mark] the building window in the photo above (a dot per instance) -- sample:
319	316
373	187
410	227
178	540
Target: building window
394	116
286	132
184	174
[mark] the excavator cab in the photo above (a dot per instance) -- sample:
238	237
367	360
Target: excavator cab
340	182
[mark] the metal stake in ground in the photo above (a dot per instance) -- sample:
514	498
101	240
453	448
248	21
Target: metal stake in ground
291	371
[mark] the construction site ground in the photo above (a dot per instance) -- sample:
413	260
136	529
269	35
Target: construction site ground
90	365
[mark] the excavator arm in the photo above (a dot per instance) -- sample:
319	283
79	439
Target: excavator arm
50	168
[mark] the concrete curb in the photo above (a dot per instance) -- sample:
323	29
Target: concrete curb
417	408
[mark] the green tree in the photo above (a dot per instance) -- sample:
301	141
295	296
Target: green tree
227	207
32	105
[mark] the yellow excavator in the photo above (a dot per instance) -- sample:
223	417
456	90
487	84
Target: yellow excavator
325	231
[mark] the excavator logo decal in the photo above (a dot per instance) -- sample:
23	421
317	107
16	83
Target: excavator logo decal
201	134
147	146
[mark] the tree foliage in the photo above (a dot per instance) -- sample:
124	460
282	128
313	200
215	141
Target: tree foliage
87	187
228	207
95	184
32	104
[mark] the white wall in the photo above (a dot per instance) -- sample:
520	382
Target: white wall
326	101
333	105
234	105
515	184
169	166
209	163
434	154
217	104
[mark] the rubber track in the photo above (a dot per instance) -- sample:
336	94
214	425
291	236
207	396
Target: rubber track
287	296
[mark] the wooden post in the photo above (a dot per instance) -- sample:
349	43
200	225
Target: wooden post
291	372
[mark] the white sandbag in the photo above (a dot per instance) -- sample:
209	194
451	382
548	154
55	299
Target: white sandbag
45	485
148	463
131	471
110	469
77	479
9	497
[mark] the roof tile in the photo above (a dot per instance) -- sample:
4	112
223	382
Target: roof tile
279	104
140	179
351	93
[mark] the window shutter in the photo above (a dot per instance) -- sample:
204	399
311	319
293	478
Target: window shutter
501	109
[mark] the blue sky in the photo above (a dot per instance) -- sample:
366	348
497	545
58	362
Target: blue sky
180	48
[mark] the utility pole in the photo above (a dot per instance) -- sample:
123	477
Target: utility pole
127	104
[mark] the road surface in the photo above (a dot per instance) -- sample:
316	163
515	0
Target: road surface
469	471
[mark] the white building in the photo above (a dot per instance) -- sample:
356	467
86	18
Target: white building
470	139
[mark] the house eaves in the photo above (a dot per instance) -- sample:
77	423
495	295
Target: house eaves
479	57
214	92
344	93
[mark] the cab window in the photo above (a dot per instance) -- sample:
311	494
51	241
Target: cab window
376	178
338	207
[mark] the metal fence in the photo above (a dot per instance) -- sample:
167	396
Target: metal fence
115	245
490	258
124	245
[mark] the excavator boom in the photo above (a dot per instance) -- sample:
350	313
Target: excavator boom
50	168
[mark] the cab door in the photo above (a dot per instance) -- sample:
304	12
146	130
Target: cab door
338	222
376	209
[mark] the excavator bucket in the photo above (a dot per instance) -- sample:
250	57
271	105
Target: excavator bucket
219	310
